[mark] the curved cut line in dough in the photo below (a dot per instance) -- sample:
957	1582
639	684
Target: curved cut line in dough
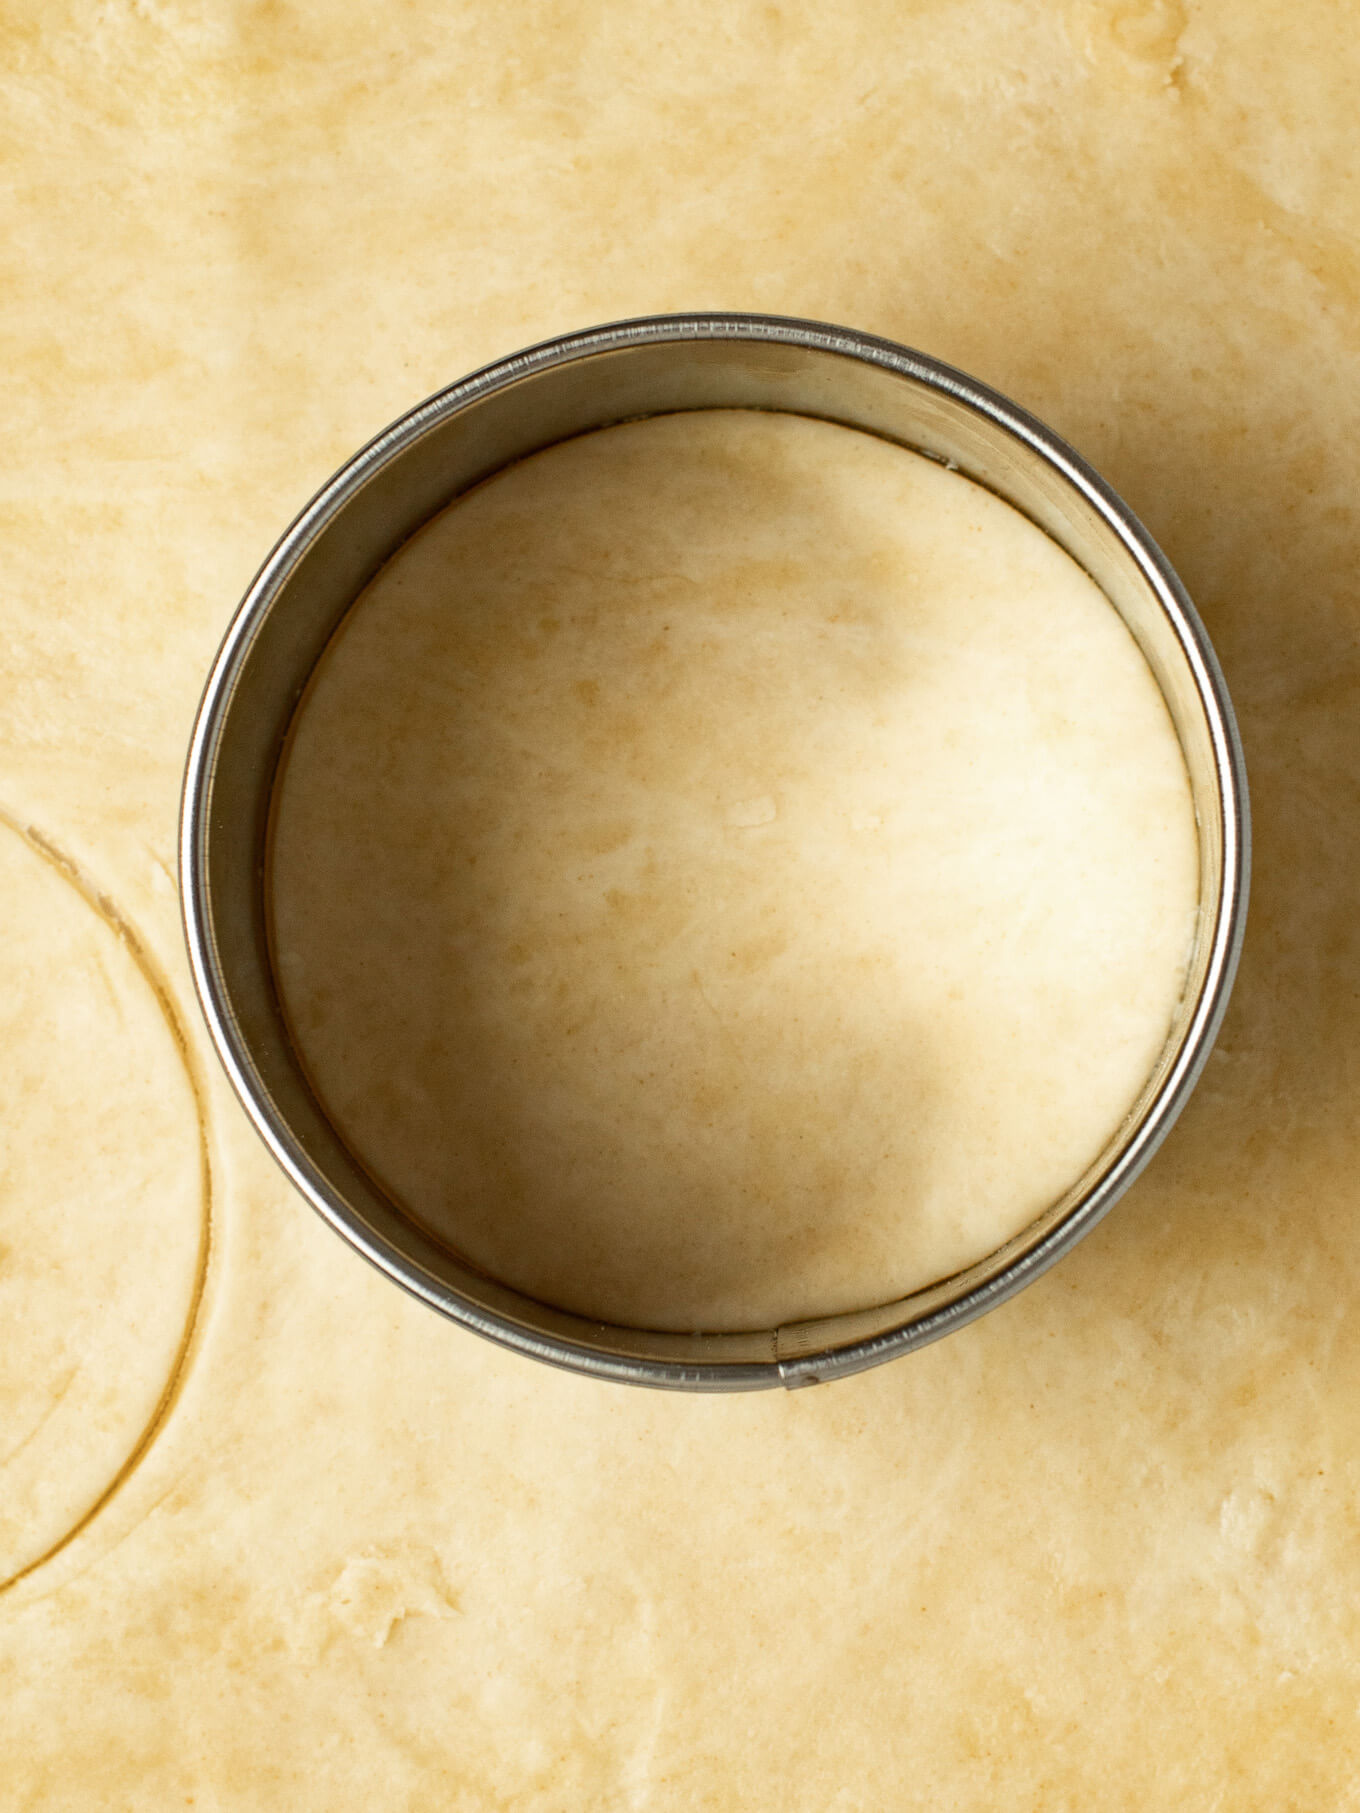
122	928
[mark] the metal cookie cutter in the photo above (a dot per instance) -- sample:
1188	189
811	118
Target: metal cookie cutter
566	387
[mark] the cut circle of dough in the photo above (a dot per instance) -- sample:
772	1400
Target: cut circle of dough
102	1205
729	869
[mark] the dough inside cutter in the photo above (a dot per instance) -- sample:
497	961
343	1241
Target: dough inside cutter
728	869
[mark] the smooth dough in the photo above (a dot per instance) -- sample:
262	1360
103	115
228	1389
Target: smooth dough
1098	1552
728	869
101	1204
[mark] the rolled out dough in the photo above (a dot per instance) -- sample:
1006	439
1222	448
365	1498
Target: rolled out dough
1098	1552
102	1209
728	869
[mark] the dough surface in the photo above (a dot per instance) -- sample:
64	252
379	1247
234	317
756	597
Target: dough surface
1098	1552
101	1206
728	869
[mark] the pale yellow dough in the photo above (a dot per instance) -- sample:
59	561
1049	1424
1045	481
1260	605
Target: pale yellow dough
103	1214
729	869
1098	1552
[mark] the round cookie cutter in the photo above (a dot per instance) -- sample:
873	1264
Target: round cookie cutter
500	414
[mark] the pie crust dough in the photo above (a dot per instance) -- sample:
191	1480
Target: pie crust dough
728	869
1099	1550
102	1208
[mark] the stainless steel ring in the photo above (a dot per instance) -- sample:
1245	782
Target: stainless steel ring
459	437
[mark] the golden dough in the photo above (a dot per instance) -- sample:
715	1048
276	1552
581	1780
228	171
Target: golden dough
1099	1551
101	1210
728	870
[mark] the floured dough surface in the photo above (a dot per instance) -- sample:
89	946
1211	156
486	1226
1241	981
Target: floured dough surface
728	869
101	1205
1098	1552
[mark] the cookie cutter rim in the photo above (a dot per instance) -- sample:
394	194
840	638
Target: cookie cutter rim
456	438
